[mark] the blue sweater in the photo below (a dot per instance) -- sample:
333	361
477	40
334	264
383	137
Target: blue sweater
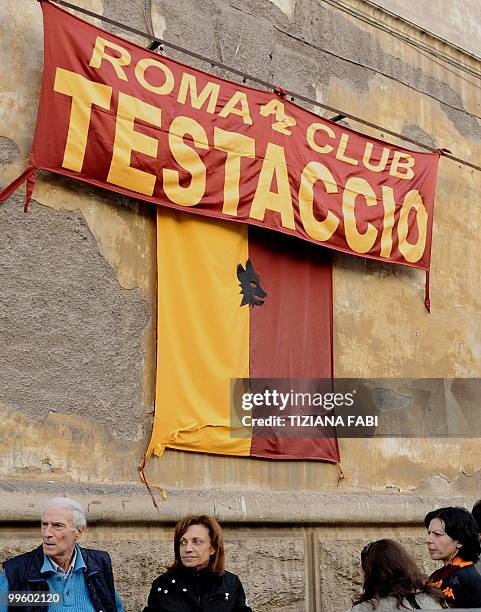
73	589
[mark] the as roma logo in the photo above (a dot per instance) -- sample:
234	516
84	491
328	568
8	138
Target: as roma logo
251	290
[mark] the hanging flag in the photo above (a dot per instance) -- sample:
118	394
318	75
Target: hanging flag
236	302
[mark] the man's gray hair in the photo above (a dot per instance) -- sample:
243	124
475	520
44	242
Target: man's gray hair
78	512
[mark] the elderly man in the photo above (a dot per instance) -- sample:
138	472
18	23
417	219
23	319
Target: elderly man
81	577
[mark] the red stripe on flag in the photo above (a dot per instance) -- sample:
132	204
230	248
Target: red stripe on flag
291	333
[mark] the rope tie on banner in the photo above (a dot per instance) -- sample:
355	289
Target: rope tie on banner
341	476
31	178
149	484
279	91
29	175
427	301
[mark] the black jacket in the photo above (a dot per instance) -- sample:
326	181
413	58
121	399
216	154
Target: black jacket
461	586
23	574
191	590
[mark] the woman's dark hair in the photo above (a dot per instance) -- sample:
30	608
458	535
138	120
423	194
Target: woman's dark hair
216	563
390	571
476	513
459	525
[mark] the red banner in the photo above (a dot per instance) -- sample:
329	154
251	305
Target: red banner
119	116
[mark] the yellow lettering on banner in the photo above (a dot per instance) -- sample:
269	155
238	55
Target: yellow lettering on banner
341	151
318	230
168	84
311	132
360	243
231	107
388	223
283	121
400	161
127	140
274	164
236	146
186	157
99	54
84	93
188	85
366	160
412	201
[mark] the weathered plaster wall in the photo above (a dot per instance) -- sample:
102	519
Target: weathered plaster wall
77	316
78	305
381	327
459	21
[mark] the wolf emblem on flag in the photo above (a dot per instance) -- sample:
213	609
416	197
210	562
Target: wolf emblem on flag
252	292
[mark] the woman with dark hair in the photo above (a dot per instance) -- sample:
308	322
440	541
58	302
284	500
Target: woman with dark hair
392	581
197	581
453	538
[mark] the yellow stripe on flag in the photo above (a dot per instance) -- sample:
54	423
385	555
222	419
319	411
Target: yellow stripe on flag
203	333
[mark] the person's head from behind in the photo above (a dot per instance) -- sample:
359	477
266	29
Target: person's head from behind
389	571
476	514
62	523
452	532
199	544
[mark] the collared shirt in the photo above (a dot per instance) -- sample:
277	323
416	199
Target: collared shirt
70	585
57	568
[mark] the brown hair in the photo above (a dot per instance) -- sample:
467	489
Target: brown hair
216	563
390	571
